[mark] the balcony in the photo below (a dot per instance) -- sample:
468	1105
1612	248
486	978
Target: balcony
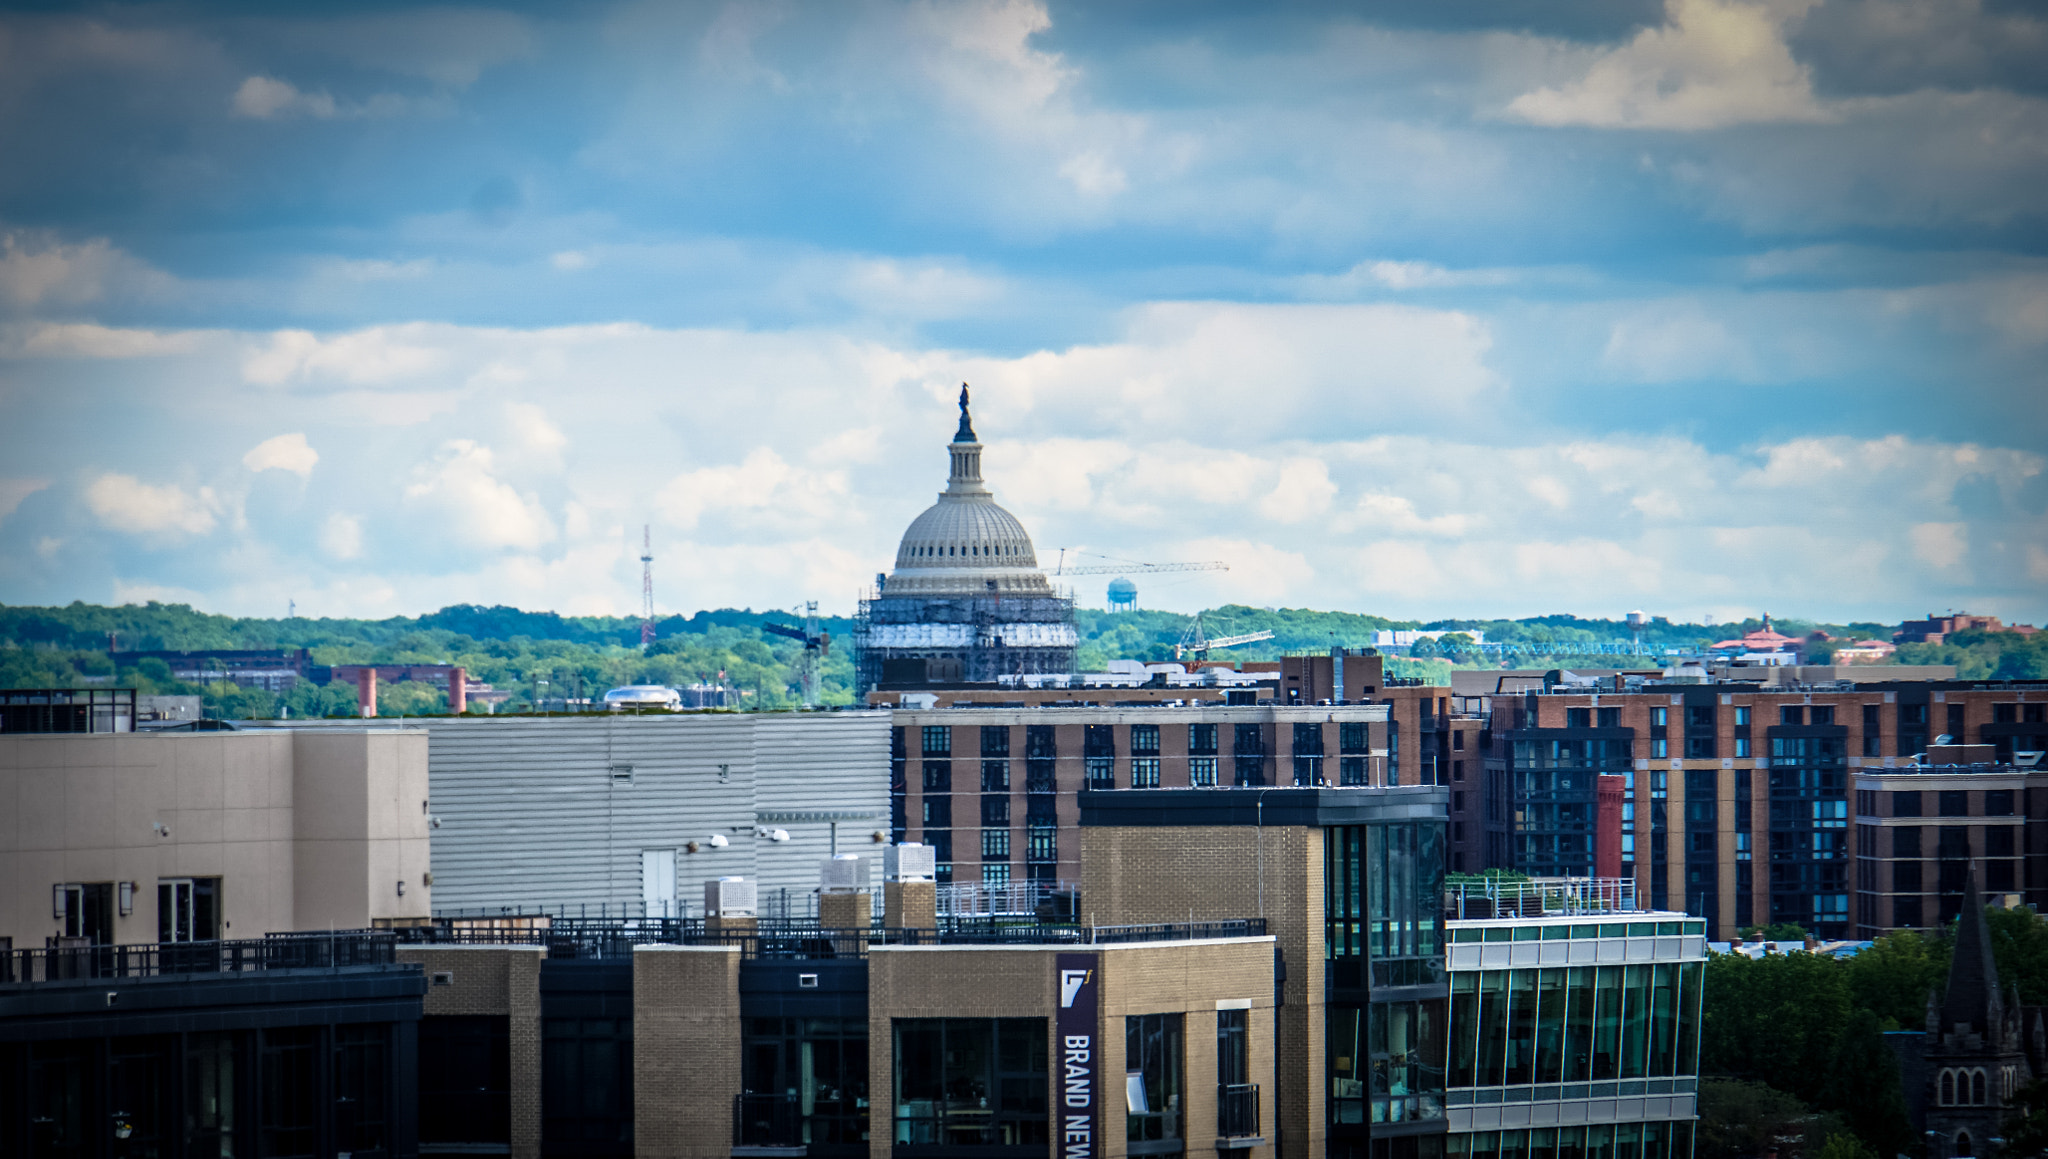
1237	1115
278	952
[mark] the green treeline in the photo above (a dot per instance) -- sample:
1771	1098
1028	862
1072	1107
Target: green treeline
1799	1038
516	650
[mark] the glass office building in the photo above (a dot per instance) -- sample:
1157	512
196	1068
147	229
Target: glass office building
1574	1035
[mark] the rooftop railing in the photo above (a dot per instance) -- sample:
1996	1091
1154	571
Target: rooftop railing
1540	897
572	938
321	951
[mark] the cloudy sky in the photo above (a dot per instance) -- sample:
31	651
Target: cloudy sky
1705	307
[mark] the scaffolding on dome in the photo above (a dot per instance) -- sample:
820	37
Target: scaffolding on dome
919	639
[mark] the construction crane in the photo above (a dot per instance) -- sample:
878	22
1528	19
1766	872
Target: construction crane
1195	643
1125	565
816	644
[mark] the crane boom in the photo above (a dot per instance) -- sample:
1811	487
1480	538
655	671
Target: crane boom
1128	568
1247	638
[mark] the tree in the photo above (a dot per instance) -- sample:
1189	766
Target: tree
1862	1085
2026	1125
2019	941
1894	976
1773	1019
1742	1120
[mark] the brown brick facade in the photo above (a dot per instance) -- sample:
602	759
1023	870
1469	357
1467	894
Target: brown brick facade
494	981
686	1050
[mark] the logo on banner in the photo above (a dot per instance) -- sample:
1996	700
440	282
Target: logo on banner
1077	1082
1071	982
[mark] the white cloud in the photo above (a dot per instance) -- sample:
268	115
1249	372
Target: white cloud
1379	511
341	536
38	270
1716	63
1303	492
534	430
14	491
90	340
1940	545
379	355
283	453
265	98
126	503
761	487
475	507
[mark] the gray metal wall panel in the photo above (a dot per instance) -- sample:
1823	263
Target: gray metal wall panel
530	815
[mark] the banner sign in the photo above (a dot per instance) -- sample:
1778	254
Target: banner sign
1077	1067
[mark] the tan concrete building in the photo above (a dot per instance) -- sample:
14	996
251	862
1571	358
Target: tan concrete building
124	838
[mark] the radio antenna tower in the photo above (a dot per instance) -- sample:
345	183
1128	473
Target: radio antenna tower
646	585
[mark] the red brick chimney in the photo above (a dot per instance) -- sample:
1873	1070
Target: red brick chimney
458	691
1607	826
366	690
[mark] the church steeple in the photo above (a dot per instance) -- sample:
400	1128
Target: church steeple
1973	997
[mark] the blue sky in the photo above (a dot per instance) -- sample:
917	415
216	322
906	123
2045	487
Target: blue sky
1706	307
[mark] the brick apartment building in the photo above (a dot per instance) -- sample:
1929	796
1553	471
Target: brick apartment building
1738	797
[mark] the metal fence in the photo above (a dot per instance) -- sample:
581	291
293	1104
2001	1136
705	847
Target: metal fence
1017	898
333	950
1540	897
572	938
1237	1110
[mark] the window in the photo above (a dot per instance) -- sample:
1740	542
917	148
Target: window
1870	717
288	1072
996	874
971	1082
1101	771
1791	714
2034	713
1041	843
1308	740
1906	803
1202	739
1906	841
1608	717
938	740
1099	740
995	809
1144	740
941	841
1457	770
88	912
1308	770
1351	737
1699	748
1154	1059
1871	744
1144	772
1906	911
1741	746
1955	722
2005	714
1246	740
1998	875
1458	740
938	812
1952	843
1742	716
1906	877
1912	716
1821	714
995	844
465	1080
1578	718
1660	717
1039	743
1660	748
1998	803
995	740
1699	718
1998	841
1955	802
995	776
1233	1047
362	1079
1041	776
188	909
1202	771
938	776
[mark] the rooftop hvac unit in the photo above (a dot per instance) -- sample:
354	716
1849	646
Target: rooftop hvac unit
909	862
729	897
846	873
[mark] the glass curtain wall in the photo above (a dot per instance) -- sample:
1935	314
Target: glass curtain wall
1576	1024
1604	1141
971	1082
1154	1061
1383	932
